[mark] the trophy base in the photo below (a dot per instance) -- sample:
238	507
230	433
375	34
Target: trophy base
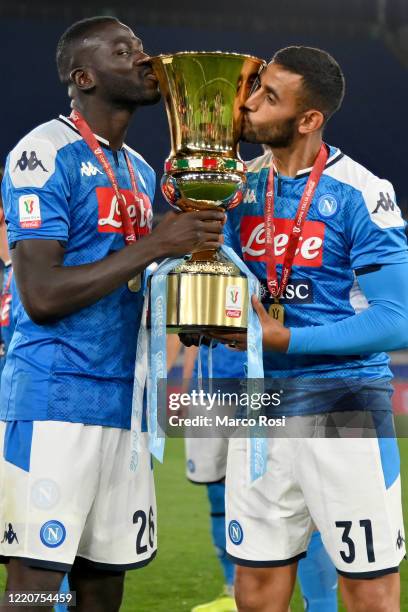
207	295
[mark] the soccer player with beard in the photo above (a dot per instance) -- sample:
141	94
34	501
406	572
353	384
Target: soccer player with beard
313	225
77	202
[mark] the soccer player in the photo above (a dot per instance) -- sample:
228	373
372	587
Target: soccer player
77	202
313	224
206	463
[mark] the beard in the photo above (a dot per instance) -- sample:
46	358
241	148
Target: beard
277	136
130	92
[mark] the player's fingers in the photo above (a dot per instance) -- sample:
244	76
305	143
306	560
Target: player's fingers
209	244
210	215
259	309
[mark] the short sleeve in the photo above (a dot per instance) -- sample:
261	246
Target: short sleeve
36	192
231	233
375	226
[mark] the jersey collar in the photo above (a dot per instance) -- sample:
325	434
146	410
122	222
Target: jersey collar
68	122
334	156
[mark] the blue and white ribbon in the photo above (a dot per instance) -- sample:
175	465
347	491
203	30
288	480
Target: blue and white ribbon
157	350
152	352
258	446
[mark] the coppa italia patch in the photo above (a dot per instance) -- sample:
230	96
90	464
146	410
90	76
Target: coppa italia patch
310	249
29	211
233	301
109	220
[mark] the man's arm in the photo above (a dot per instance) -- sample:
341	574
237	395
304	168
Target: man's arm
383	326
49	290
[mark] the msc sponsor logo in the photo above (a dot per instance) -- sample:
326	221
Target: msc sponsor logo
109	219
298	291
309	252
52	534
236	535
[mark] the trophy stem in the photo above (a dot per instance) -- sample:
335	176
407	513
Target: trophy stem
203	255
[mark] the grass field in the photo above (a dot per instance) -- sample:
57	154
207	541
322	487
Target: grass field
186	571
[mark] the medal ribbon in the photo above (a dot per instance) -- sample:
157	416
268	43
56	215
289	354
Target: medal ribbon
90	139
277	289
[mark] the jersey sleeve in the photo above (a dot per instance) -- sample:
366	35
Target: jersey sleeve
36	192
375	227
231	233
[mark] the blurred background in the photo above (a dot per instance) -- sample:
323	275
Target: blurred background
369	38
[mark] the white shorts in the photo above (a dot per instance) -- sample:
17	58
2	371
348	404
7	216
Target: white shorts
67	491
206	459
348	489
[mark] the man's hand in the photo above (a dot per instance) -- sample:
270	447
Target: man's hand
183	233
195	339
275	337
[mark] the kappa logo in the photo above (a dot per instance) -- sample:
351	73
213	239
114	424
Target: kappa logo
88	169
249	196
385	202
9	535
309	252
140	211
30	163
400	540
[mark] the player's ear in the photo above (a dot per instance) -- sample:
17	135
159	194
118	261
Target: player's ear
82	78
311	121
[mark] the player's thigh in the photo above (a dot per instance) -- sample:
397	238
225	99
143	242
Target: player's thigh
96	589
24	578
121	528
353	491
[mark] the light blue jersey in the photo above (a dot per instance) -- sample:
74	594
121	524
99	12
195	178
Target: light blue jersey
353	224
80	367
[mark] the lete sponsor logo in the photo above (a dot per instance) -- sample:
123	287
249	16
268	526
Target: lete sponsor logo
309	252
29	211
109	220
233	301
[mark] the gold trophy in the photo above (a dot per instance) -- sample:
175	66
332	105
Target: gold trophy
204	93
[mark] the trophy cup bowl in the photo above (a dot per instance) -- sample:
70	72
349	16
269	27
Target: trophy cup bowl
204	93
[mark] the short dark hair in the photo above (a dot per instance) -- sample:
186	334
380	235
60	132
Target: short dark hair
72	36
323	78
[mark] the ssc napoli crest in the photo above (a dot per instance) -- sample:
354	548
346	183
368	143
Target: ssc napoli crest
235	532
327	206
191	466
52	534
